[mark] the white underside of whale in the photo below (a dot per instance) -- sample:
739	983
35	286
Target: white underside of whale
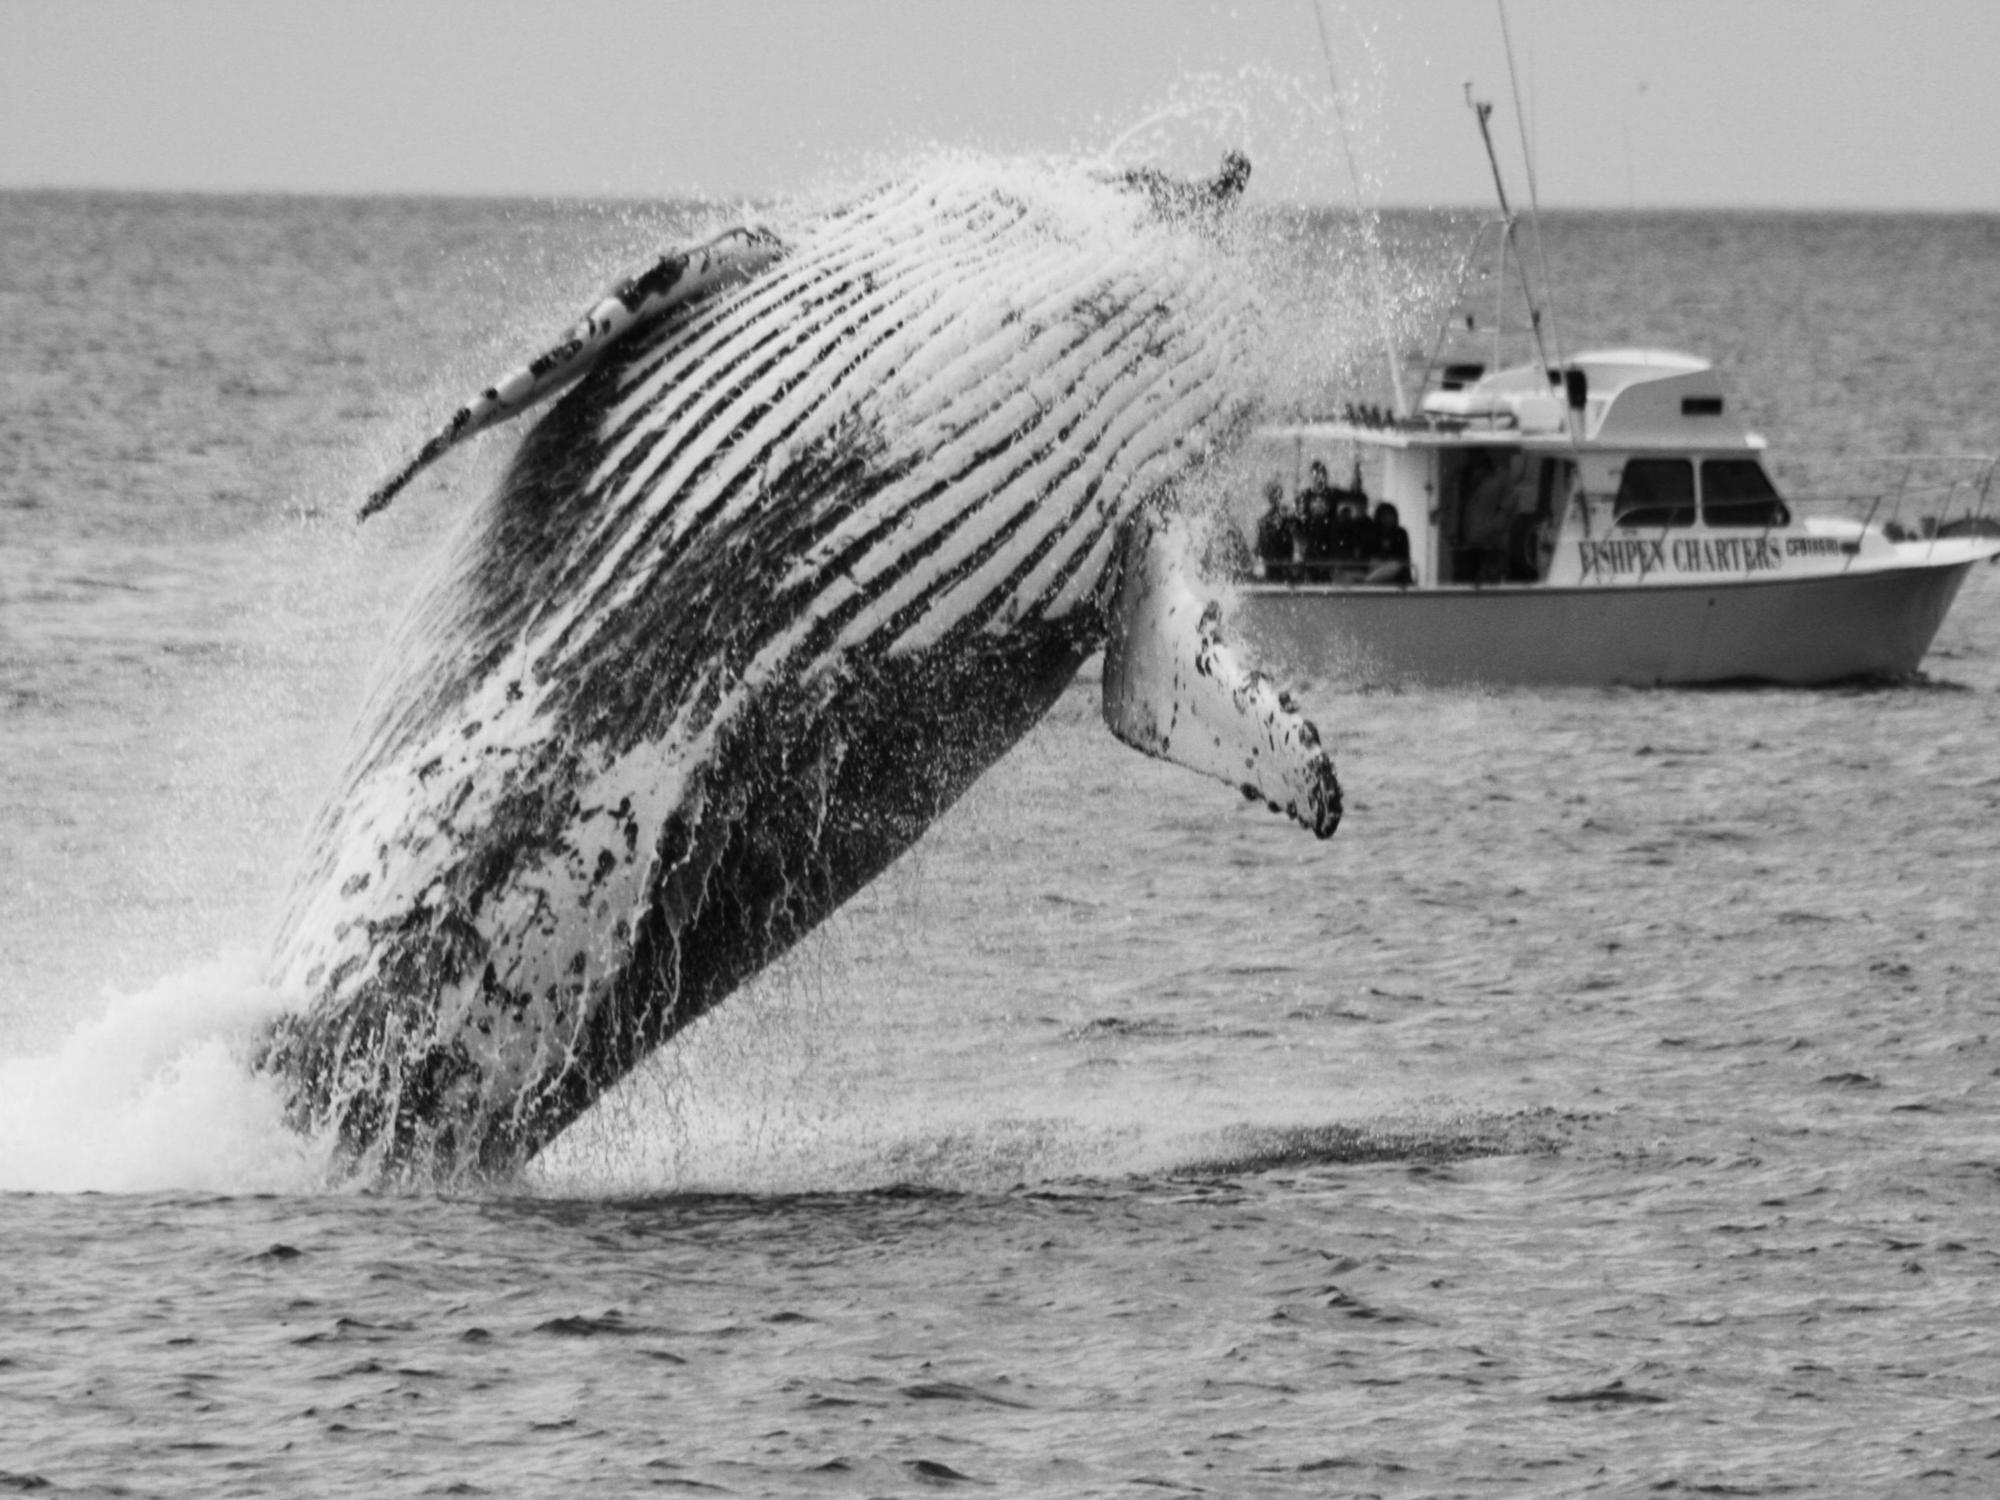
1018	375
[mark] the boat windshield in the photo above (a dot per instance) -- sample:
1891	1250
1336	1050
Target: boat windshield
1737	492
1655	492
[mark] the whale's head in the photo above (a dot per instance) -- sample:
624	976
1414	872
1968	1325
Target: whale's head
824	518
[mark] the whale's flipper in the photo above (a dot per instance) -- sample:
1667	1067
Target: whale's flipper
1173	689
679	279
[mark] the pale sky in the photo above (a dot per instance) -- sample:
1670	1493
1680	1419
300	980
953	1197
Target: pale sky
1694	103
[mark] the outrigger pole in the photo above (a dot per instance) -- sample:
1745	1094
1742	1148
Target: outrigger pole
1534	193
1484	110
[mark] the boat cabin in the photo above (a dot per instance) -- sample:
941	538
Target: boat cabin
1623	467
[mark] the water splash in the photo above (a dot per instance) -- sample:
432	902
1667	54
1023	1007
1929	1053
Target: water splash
155	1094
149	1092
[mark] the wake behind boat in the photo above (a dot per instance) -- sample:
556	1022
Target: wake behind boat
1598	519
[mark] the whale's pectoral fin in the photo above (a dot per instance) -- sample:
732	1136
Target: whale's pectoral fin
678	280
1174	689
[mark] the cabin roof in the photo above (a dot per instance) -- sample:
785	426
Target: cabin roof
1632	398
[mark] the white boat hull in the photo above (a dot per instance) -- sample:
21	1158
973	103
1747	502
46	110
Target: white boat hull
1877	622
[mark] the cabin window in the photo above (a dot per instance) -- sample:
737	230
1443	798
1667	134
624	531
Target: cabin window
1655	492
1737	492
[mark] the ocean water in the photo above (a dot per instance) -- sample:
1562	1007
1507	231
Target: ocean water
1609	1108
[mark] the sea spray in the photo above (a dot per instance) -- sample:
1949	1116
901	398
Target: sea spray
155	1094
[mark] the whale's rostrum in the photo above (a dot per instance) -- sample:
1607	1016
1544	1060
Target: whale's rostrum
820	522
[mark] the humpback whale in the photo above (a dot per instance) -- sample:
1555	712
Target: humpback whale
820	522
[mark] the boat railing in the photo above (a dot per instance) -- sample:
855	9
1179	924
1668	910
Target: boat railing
1911	497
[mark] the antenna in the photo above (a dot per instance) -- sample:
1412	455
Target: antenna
1484	111
1368	222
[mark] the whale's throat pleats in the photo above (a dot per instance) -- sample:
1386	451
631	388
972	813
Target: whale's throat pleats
803	549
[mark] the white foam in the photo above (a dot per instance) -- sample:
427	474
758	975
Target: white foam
156	1094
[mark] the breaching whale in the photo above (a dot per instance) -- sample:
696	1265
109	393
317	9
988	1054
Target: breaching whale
823	520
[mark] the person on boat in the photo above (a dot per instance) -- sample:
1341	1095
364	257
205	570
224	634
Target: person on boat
1274	533
1389	552
1315	523
1314	551
1313	517
1487	488
1353	534
1317	484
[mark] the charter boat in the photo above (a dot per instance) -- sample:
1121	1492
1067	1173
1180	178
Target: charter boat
1603	518
1608	521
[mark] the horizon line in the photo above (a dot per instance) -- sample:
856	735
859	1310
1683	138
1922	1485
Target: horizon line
708	199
